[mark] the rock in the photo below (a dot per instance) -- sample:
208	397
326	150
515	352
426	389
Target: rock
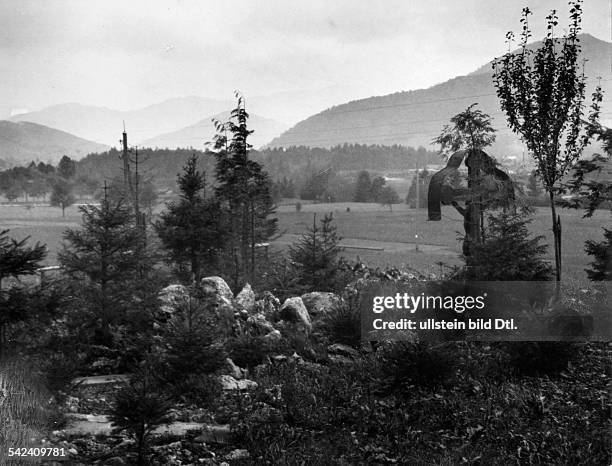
233	369
230	383
101	379
340	359
219	433
114	461
238	454
172	297
319	302
259	325
245	300
294	311
273	336
343	350
216	287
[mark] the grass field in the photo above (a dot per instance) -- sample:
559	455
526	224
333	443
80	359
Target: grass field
368	226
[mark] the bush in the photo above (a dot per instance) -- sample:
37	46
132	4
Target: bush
342	324
59	371
197	389
418	364
536	358
248	350
508	252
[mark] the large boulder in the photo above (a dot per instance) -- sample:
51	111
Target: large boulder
233	370
319	303
343	350
172	298
294	311
230	383
215	287
245	300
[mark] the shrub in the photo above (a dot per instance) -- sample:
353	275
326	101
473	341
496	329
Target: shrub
535	358
342	323
248	350
59	371
199	389
138	409
508	252
418	364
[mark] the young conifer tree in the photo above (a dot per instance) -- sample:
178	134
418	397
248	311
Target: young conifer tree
102	257
190	229
315	255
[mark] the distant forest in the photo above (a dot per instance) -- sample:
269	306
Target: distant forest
162	165
309	173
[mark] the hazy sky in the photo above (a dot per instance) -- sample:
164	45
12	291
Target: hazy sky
128	54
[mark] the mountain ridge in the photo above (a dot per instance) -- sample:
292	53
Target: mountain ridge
23	142
203	131
415	117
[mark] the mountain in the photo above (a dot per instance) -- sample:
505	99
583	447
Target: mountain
414	118
197	134
23	142
106	125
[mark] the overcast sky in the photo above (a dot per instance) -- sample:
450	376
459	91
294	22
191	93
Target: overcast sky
129	54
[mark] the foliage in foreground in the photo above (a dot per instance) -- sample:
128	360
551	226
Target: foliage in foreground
27	411
138	409
308	414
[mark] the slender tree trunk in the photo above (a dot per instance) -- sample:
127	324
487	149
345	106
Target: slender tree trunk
556	221
141	447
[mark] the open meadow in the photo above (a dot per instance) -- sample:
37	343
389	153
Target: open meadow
373	233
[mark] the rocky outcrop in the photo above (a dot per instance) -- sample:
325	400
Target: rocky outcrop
233	370
343	350
213	287
319	303
230	383
172	298
294	311
245	300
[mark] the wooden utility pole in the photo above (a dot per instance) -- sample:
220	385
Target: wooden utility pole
126	162
418	185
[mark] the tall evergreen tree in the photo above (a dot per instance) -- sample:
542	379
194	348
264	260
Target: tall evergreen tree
244	189
190	229
102	257
423	185
315	255
17	258
363	187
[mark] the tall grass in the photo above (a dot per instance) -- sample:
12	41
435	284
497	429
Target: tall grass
26	409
